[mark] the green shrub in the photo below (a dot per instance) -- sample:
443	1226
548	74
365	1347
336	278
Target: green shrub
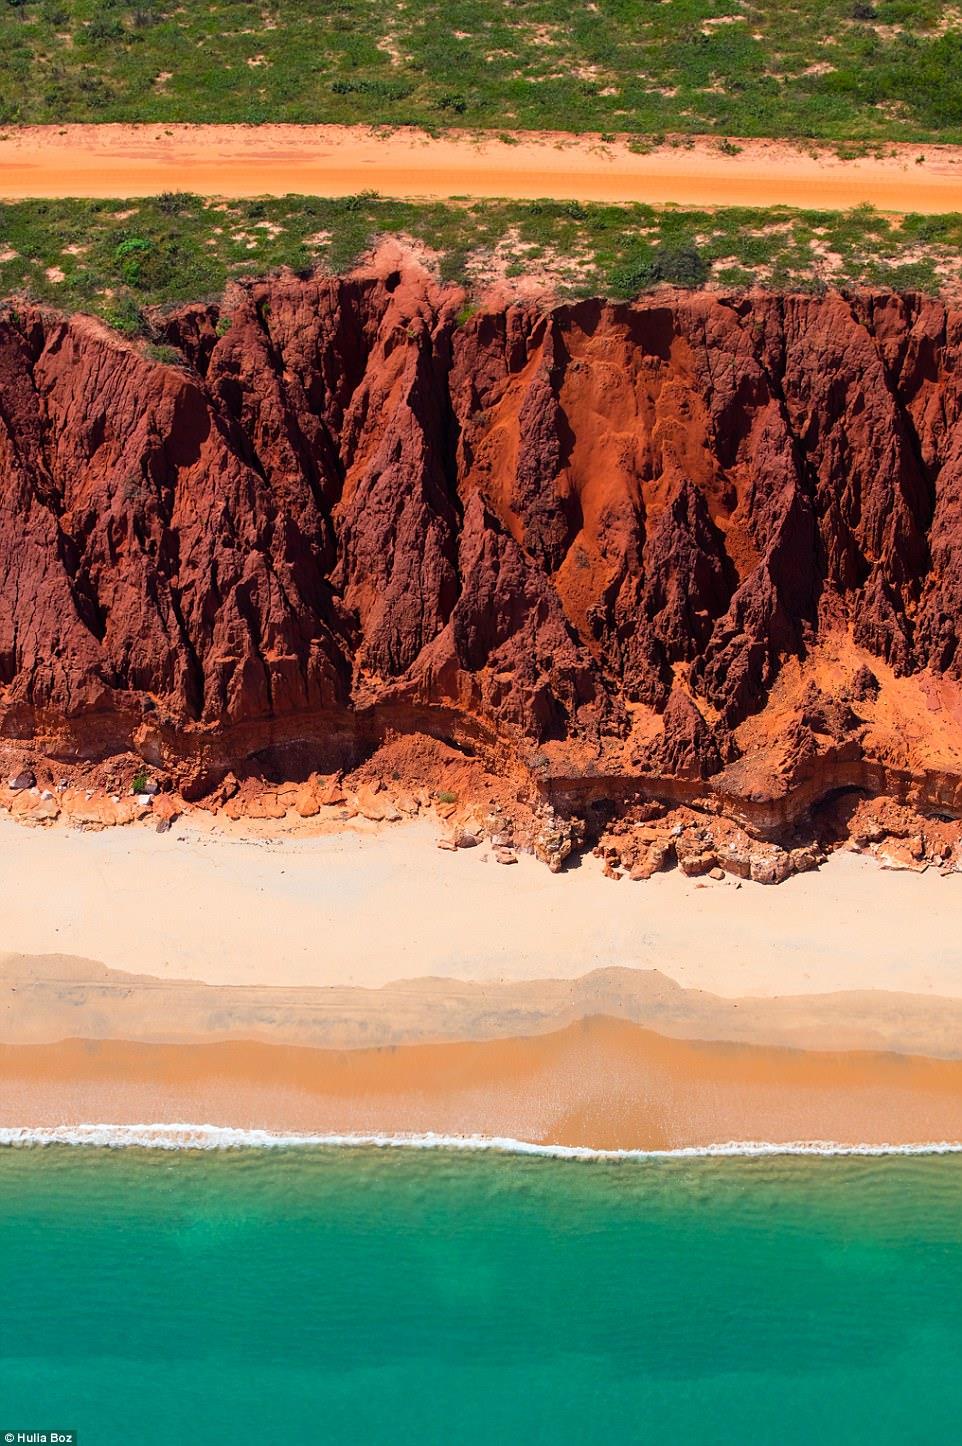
168	355
381	89
146	265
129	255
358	201
677	266
100	30
124	314
170	202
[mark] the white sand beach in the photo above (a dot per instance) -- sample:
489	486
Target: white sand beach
366	980
366	908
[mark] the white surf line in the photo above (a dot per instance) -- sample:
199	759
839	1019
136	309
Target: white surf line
184	1136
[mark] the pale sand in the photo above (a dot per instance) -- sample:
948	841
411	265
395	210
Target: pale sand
118	160
600	1083
52	997
369	909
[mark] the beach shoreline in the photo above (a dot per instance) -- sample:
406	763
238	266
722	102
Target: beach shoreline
366	982
186	1136
599	1084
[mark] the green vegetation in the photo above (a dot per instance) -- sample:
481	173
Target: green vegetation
835	69
169	355
446	796
676	266
118	258
140	781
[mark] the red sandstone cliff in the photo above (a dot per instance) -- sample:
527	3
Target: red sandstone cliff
709	547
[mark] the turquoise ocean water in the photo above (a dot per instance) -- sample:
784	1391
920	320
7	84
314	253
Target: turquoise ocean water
366	1295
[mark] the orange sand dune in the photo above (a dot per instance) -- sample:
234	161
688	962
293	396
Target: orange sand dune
601	1083
127	160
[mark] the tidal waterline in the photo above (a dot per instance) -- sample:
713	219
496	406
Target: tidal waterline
342	1295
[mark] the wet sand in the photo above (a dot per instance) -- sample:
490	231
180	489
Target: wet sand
126	160
601	1083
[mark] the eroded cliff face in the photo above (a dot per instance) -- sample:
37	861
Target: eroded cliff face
692	548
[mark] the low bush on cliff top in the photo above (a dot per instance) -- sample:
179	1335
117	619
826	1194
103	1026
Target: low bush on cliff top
676	267
121	259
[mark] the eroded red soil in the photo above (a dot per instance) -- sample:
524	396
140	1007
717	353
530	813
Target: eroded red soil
696	553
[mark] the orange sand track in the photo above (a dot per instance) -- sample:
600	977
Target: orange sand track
600	1082
118	160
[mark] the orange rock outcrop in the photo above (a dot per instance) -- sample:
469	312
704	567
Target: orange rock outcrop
698	549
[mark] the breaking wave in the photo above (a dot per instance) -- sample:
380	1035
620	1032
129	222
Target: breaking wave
224	1137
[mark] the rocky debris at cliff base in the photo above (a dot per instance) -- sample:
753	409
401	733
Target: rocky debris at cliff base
901	838
32	806
475	805
699	845
901	854
374	803
269	804
556	838
167	808
89	795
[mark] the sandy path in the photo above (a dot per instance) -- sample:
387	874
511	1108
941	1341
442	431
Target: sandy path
356	909
114	160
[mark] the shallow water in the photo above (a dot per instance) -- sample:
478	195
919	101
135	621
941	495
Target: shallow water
366	1295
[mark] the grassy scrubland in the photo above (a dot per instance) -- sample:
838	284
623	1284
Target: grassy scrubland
119	259
834	69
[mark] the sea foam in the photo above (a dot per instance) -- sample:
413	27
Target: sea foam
181	1136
